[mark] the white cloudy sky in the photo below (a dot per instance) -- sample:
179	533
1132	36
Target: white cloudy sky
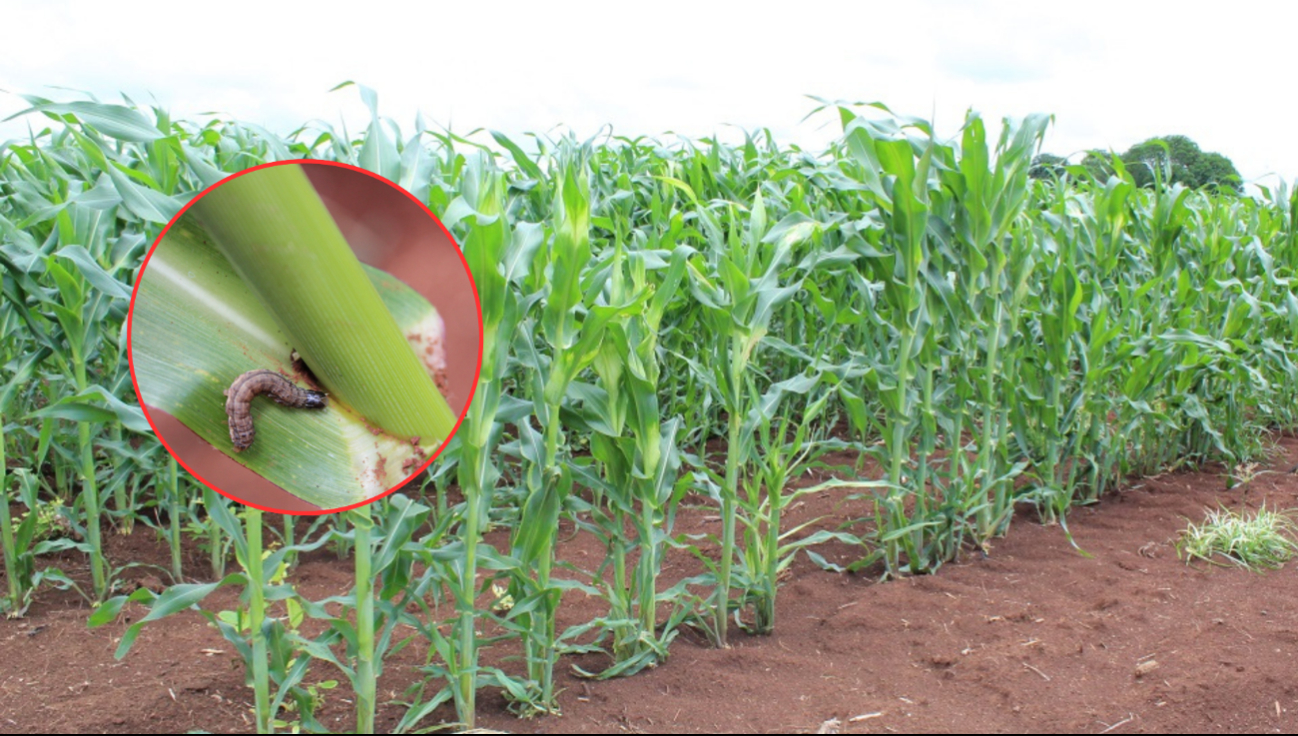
1113	73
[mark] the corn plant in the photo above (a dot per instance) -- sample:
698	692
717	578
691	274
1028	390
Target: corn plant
739	282
489	241
548	483
26	539
8	541
637	481
275	655
385	552
782	449
246	632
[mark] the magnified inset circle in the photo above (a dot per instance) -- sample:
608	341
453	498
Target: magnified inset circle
305	337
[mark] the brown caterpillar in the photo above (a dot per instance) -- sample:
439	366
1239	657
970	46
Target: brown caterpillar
279	388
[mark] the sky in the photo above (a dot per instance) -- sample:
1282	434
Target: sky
1112	73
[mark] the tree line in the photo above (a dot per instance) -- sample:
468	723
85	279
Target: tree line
1172	159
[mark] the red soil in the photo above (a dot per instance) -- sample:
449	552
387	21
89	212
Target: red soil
1037	637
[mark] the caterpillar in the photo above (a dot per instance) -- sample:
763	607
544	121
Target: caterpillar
252	383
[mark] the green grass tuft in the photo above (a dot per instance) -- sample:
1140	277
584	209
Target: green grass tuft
1263	540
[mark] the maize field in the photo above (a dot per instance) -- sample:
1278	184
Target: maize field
718	368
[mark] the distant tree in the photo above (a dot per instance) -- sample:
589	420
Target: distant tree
1179	160
1214	169
1099	163
1047	166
